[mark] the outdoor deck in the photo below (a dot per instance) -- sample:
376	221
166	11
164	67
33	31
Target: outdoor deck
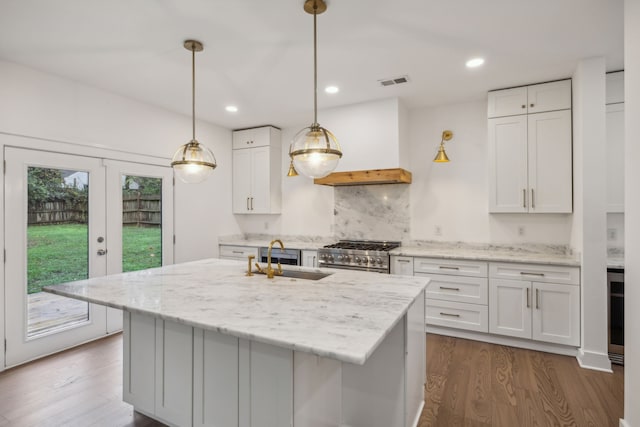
52	311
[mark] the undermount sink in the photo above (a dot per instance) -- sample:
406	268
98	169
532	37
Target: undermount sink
306	275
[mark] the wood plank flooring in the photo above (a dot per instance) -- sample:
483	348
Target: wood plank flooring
468	384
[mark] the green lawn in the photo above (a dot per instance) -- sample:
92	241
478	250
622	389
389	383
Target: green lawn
58	253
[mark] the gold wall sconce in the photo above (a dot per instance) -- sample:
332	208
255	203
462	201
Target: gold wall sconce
441	157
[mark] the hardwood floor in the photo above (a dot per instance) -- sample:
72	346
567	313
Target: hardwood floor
468	384
478	384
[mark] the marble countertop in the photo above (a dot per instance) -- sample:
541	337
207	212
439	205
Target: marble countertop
344	316
489	253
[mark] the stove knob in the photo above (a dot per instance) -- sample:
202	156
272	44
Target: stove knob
347	259
330	258
358	260
340	257
379	261
323	256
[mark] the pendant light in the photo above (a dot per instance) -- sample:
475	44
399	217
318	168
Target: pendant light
314	151
441	157
193	162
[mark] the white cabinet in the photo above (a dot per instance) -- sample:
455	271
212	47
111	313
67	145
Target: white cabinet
139	369
237	252
615	158
402	265
309	258
535	302
537	98
615	88
257	171
530	163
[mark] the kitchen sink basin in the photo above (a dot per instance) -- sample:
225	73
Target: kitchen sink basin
305	275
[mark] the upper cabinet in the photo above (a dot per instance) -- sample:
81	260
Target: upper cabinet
530	150
530	99
257	171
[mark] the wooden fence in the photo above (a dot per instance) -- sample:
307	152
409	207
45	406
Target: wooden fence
142	211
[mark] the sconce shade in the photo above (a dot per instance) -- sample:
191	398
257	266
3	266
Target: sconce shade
442	157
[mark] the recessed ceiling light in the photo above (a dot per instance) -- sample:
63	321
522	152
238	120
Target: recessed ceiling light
231	108
475	62
332	89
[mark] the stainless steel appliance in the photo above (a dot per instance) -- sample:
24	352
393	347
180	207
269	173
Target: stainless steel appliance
362	255
615	286
284	257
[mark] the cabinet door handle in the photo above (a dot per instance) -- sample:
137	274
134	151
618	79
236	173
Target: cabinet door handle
248	203
533	200
524	197
449	314
444	267
524	106
537	299
446	288
528	304
251	203
526	273
531	105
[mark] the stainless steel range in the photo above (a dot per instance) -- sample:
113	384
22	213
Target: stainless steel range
363	255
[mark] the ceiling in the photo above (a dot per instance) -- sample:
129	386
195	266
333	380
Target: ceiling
258	55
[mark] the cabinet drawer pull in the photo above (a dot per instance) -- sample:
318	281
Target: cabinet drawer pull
403	260
528	304
449	314
444	267
238	252
537	299
531	105
524	106
446	288
526	273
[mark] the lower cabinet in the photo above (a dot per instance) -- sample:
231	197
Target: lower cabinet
237	252
309	258
537	309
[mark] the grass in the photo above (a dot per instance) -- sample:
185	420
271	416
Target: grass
58	253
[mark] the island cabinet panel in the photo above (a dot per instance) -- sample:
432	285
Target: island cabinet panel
266	385
215	379
174	372
317	390
415	372
373	394
139	362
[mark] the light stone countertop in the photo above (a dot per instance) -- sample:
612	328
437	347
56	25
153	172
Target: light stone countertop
490	253
344	316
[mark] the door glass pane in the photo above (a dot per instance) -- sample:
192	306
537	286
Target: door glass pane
141	222
57	246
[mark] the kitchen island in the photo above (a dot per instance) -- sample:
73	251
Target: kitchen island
206	345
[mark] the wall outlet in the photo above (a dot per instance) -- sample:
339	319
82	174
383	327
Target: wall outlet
521	230
612	234
438	230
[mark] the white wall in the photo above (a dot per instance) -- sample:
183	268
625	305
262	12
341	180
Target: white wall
454	196
590	205
79	117
632	212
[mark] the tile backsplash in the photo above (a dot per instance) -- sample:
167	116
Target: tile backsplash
373	212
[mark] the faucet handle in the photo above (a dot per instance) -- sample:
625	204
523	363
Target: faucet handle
279	269
259	268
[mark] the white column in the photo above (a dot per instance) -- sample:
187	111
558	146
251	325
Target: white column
632	213
590	205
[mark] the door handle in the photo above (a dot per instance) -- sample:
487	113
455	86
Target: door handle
533	200
537	298
248	203
528	304
252	201
524	198
102	252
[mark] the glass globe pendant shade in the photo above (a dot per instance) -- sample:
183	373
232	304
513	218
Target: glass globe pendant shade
315	152
193	162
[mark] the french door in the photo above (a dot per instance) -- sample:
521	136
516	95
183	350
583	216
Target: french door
69	218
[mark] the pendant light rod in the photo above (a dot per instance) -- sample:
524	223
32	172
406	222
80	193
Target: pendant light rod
193	94
315	65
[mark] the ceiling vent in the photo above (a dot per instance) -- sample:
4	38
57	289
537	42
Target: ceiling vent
394	81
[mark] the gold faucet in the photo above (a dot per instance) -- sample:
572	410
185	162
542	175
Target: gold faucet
270	271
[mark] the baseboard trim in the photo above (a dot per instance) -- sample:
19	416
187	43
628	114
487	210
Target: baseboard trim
502	340
623	423
417	419
594	361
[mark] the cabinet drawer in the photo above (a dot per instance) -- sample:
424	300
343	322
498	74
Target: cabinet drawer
473	290
446	266
237	252
536	273
457	315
